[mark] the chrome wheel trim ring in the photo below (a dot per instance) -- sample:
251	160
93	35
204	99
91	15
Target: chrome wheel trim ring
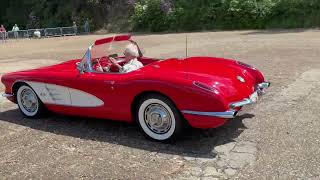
144	125
28	101
157	118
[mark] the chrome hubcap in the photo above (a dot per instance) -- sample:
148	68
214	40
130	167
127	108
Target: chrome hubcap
29	100
157	118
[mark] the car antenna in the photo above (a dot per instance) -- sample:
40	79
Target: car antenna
186	45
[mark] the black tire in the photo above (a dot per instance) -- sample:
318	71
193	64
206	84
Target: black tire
37	108
155	110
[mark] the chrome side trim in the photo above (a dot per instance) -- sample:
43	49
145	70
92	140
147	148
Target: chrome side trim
7	95
227	114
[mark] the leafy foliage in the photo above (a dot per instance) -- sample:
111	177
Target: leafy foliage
162	15
54	13
295	14
226	14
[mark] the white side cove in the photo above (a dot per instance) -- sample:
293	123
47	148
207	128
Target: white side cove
61	95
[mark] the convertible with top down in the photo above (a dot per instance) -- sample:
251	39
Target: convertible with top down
162	96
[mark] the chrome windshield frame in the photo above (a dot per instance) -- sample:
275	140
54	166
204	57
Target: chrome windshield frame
86	60
89	59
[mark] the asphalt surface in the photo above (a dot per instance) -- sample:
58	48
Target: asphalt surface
278	138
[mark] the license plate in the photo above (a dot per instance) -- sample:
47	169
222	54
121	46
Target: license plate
254	97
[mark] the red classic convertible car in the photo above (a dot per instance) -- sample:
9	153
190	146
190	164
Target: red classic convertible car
162	97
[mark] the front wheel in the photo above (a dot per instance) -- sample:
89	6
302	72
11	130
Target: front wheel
28	102
159	118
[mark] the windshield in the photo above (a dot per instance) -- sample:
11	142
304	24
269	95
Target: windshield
103	48
115	47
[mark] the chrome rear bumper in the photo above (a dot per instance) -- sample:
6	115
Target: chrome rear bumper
232	113
264	85
253	97
7	95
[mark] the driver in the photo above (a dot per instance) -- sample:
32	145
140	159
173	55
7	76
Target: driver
131	62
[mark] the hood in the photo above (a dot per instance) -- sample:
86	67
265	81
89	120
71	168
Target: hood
222	74
67	66
61	67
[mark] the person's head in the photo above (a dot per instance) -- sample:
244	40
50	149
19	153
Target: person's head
15	25
2	25
131	52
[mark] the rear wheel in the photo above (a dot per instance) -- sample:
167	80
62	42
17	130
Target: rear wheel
29	103
159	118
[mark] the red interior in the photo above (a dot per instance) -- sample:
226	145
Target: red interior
104	62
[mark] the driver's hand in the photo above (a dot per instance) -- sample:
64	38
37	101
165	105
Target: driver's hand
114	62
99	68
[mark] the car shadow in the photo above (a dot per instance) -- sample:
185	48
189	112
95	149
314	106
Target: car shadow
194	143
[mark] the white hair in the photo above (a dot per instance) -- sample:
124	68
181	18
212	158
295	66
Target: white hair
132	49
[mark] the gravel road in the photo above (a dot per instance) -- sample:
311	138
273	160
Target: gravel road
278	138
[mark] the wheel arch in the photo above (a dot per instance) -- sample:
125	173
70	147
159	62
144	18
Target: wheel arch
16	86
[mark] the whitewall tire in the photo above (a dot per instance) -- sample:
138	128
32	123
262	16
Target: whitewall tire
28	102
158	117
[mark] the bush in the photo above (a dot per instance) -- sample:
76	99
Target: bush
295	14
163	15
149	16
247	13
225	14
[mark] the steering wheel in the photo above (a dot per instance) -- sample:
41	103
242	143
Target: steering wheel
102	64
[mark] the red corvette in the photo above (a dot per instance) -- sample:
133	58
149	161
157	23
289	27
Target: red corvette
162	96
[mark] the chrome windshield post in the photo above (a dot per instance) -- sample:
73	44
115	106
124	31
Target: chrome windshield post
85	64
88	59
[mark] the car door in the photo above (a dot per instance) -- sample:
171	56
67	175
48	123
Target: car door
98	87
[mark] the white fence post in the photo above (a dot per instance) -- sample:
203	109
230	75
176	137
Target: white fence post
3	36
